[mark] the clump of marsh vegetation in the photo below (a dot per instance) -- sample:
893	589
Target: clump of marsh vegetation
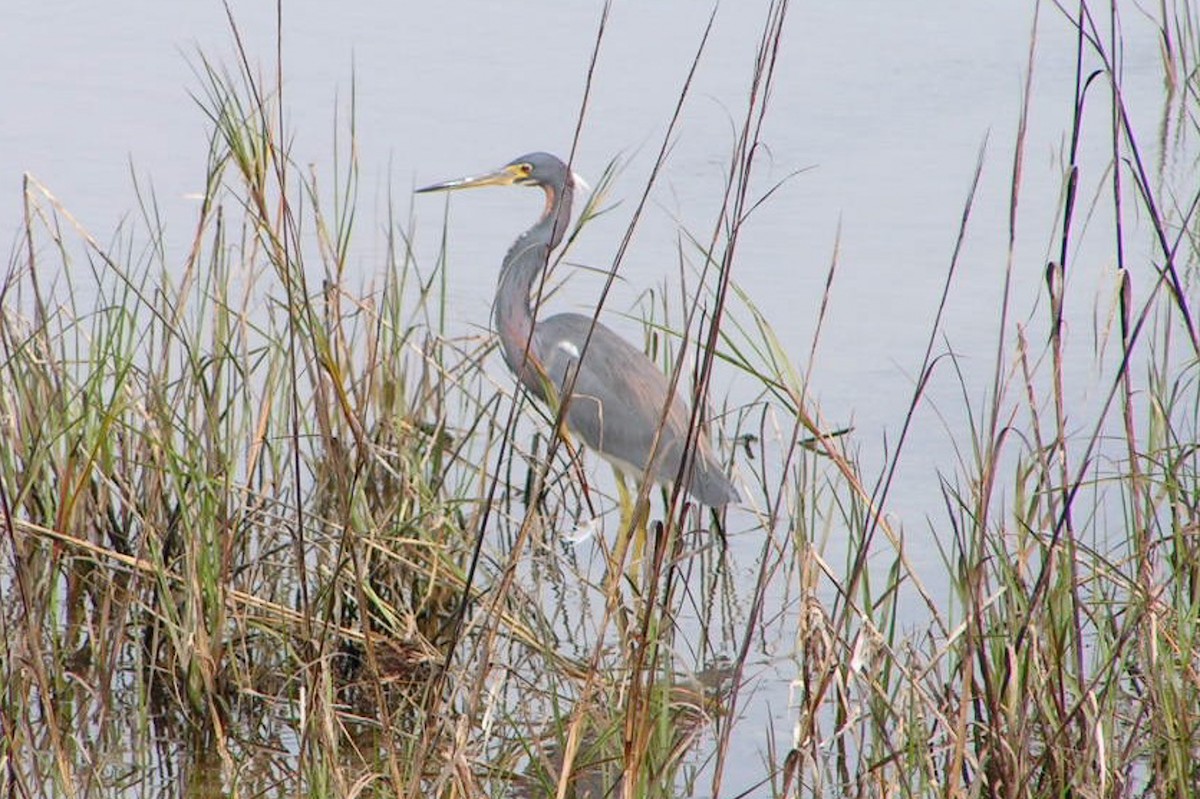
266	533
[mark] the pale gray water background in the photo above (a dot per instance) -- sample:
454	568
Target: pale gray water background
889	105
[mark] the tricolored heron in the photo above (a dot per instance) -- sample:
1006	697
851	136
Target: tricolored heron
618	395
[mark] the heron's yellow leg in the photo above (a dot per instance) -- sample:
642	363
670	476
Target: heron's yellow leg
633	520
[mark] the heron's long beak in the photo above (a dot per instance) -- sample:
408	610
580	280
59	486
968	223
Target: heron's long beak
505	176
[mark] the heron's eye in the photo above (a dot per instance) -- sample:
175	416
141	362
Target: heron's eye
526	169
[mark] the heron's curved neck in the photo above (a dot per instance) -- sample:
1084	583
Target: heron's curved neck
524	263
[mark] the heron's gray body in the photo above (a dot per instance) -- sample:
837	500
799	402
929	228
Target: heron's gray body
642	390
618	396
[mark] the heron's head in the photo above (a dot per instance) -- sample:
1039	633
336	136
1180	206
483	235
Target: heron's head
541	170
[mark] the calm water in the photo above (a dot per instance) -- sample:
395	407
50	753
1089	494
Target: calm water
886	105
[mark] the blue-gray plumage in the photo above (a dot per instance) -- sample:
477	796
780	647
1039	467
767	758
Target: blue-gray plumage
619	394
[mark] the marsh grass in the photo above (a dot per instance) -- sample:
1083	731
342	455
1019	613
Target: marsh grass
269	535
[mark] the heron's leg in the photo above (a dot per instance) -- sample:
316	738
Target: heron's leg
624	501
633	519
